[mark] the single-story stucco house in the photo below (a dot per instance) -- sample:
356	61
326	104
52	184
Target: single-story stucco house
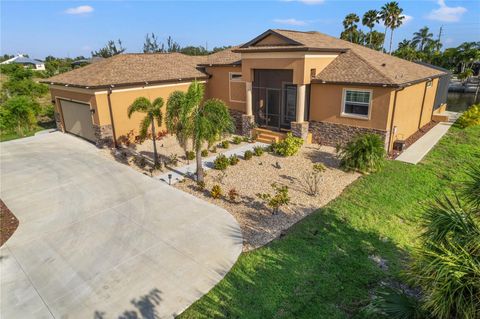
33	64
308	83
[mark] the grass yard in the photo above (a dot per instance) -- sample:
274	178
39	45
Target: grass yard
8	136
321	267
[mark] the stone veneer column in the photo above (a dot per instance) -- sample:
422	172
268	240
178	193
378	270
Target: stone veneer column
299	129
247	124
104	135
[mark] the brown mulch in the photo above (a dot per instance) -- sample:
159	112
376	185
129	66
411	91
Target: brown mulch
8	223
415	137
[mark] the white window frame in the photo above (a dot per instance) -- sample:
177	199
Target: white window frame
356	116
230	80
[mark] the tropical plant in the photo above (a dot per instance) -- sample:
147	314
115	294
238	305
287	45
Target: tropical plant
421	38
213	149
225	144
110	49
233	160
392	17
216	191
470	117
471	188
204	153
396	304
201	185
151	44
313	178
173	159
190	155
365	153
276	200
221	162
376	40
18	114
258	151
350	25
189	117
247	155
289	146
447	264
237	140
370	18
153	111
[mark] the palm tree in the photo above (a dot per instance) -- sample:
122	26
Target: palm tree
370	18
189	117
422	37
350	24
392	17
153	112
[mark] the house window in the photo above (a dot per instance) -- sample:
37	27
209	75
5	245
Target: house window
356	103
235	76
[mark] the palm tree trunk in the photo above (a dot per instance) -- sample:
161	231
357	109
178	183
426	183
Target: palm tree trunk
370	41
384	38
155	155
391	41
198	157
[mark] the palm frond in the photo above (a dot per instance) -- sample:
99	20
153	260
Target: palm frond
396	304
156	110
174	109
141	104
144	126
471	191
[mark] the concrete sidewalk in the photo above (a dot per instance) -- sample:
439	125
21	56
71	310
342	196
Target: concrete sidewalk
417	151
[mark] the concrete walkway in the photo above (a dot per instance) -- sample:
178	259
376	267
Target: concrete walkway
188	170
99	240
417	151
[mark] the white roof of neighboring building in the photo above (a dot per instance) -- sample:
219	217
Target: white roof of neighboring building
22	60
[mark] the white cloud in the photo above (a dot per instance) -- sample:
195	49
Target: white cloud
290	21
79	10
446	13
309	2
407	18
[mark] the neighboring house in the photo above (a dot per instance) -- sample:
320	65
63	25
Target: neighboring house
304	82
26	62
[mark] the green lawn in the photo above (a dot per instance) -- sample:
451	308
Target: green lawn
321	269
8	136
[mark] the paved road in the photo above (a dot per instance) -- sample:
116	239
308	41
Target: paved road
99	240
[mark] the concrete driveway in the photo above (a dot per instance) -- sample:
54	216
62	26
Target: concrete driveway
99	240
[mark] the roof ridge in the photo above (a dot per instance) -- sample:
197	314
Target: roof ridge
372	66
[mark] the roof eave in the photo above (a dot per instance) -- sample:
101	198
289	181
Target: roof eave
117	85
289	49
320	81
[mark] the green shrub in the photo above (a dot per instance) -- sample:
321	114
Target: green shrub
365	153
247	155
237	140
276	200
213	149
190	155
173	159
204	153
225	144
216	192
258	151
446	265
246	139
288	146
221	162
233	160
470	117
18	114
471	188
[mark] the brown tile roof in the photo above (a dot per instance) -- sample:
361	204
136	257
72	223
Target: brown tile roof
133	69
357	65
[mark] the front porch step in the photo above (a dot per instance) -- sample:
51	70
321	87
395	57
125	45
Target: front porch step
268	140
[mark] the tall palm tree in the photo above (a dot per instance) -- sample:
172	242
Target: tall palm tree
370	18
392	17
153	112
422	37
189	117
350	24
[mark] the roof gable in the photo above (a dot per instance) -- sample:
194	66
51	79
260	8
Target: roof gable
270	38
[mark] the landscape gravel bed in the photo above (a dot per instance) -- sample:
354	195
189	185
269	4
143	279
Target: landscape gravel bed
248	178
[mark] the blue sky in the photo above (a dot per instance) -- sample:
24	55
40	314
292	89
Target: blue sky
71	28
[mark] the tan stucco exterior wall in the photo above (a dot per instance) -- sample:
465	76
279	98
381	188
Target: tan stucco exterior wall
319	62
219	86
121	99
409	107
326	106
83	96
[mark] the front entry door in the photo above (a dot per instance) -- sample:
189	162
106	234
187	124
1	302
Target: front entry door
272	112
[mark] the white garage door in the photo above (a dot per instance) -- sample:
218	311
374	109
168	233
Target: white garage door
78	119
